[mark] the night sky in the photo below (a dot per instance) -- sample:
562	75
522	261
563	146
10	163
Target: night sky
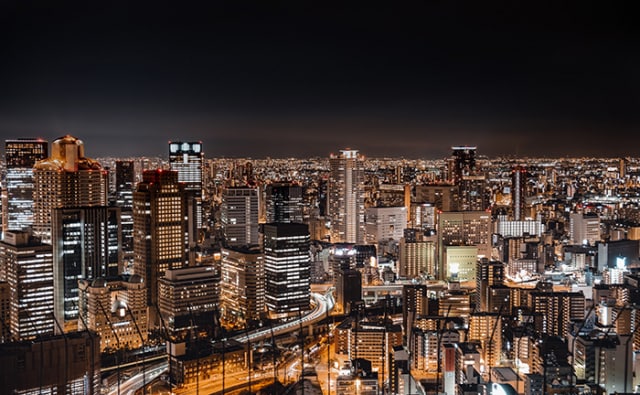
302	78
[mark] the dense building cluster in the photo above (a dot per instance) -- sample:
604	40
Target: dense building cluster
452	276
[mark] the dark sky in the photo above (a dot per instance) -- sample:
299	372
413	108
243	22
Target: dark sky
307	78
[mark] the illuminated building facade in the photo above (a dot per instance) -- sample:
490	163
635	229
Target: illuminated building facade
284	203
416	254
28	266
17	204
86	244
558	309
5	310
385	223
345	197
470	228
462	163
584	228
518	192
66	179
115	304
488	274
239	216
287	268
242	284
125	185
486	329
188	300
159	228
187	158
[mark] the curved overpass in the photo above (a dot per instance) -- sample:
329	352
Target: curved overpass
322	305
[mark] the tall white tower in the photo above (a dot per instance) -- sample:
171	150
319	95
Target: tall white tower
346	197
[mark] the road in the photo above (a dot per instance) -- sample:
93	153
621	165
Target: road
323	304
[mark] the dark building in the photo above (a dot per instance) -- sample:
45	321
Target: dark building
284	203
66	364
348	289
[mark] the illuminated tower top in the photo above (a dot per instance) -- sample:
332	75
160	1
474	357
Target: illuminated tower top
67	153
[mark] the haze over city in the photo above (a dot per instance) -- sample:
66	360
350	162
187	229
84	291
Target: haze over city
301	79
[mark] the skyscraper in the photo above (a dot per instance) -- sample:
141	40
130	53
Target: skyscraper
518	192
28	266
86	245
239	216
125	184
284	202
186	158
159	228
66	179
287	268
462	163
346	197
20	157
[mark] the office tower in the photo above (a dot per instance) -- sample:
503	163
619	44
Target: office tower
64	364
416	254
604	358
462	163
86	244
473	194
159	228
17	206
385	223
28	266
187	159
348	289
471	228
239	216
117	304
65	179
284	203
125	185
242	284
188	300
488	274
518	192
346	197
286	268
584	228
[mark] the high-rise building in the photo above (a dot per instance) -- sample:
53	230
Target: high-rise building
584	228
416	254
20	157
28	266
5	311
462	163
284	203
242	285
558	310
125	185
117	304
518	192
239	216
86	244
348	289
346	197
486	329
159	228
188	300
464	228
488	274
65	179
287	269
384	223
187	159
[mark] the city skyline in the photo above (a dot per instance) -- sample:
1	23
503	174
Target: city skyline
304	80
